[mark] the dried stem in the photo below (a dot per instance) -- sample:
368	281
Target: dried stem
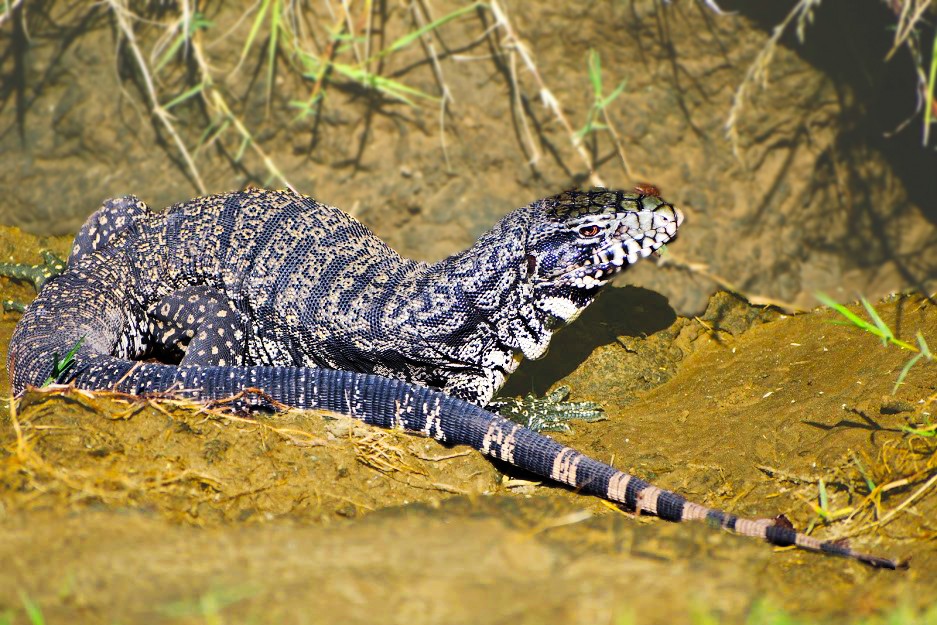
757	73
516	48
10	9
122	15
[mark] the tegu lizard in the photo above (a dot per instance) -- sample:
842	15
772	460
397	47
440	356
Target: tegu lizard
274	292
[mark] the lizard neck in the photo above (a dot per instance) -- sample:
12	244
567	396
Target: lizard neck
483	298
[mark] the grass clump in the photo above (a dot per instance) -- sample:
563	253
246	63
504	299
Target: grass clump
181	74
879	328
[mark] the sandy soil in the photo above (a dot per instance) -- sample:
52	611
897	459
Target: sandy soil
115	510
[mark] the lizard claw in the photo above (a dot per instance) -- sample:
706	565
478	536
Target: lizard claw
549	413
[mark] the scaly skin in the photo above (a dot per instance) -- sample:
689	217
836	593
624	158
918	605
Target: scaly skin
283	300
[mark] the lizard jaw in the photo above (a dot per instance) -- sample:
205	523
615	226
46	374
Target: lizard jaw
639	235
609	261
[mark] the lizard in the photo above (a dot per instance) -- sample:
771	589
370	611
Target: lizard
278	300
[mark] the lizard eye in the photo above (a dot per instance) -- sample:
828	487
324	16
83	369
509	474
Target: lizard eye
589	231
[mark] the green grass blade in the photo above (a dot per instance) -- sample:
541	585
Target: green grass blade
272	46
595	74
614	94
212	132
926	432
883	330
879	328
869	482
59	367
255	28
311	64
412	36
185	95
589	126
824	500
33	612
388	86
245	143
845	312
904	371
198	22
169	53
929	96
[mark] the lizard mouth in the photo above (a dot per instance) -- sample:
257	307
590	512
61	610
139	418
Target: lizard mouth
629	247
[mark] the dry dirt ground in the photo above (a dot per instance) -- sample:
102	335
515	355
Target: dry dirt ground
117	510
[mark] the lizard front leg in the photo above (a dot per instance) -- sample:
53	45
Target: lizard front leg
550	413
113	220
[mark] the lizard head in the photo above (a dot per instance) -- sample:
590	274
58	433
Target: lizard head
578	241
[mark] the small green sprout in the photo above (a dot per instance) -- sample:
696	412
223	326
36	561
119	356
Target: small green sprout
823	509
880	329
927	429
869	482
599	101
929	96
32	609
316	67
196	22
59	367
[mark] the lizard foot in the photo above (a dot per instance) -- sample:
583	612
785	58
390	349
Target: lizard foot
549	413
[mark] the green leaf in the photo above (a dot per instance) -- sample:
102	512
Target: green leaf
59	367
412	36
883	330
185	95
824	499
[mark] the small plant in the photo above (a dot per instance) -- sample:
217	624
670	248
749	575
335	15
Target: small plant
31	608
880	329
930	106
59	367
600	101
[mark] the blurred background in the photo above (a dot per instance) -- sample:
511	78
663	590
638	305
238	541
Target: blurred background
794	135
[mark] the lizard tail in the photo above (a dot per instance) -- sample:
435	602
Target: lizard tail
391	403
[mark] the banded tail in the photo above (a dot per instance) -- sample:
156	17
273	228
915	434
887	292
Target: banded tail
392	403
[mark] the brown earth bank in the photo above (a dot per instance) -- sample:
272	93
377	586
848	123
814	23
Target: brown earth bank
807	196
114	509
